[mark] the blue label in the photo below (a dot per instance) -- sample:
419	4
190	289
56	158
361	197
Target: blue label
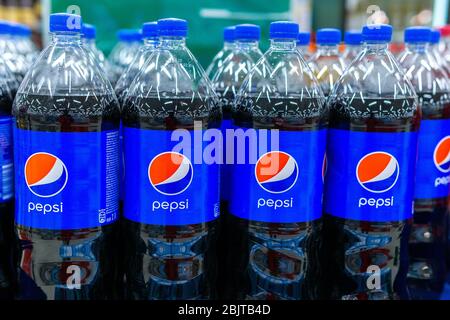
166	187
285	184
6	159
66	180
370	175
433	166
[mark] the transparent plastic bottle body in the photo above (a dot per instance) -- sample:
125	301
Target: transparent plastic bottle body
61	262
374	115
328	66
304	51
97	55
351	52
121	57
426	276
125	81
218	59
8	89
269	258
167	259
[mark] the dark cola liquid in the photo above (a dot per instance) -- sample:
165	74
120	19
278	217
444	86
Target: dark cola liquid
164	262
428	238
6	224
42	270
274	261
352	246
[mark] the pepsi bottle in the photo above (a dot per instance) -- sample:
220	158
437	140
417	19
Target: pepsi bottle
171	200
121	56
327	64
303	41
353	46
228	45
369	185
227	82
276	183
66	137
426	276
8	89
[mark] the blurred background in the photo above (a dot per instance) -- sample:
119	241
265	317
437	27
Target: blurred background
207	18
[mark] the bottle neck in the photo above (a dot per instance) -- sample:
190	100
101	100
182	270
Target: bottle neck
65	38
89	42
377	46
433	46
246	45
172	42
419	47
227	45
353	47
328	49
151	42
283	44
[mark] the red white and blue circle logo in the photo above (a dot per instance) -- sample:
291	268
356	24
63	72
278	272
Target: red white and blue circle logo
170	173
276	172
45	174
441	155
378	172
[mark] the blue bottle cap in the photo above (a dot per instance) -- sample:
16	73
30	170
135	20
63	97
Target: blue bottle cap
247	32
129	35
88	31
5	27
65	22
228	34
329	36
172	27
284	30
14	28
24	30
353	37
150	30
417	34
377	33
303	38
435	36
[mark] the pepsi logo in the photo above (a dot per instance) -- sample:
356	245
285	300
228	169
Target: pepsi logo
441	155
377	172
45	174
276	172
170	173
